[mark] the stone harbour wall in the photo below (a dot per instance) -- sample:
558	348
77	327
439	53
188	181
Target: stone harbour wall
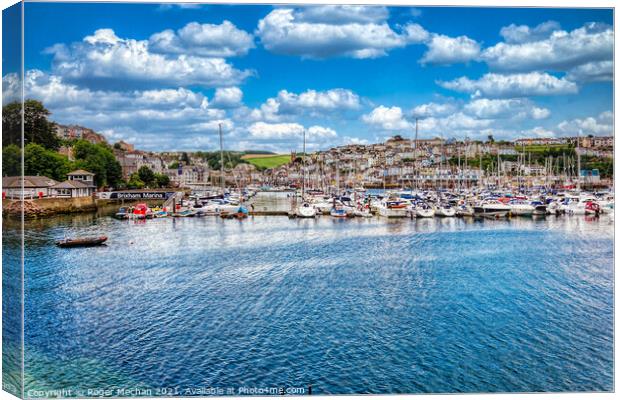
48	206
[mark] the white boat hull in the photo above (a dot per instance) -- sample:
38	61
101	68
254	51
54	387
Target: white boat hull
306	212
392	212
425	213
492	211
465	211
521	210
362	213
445	212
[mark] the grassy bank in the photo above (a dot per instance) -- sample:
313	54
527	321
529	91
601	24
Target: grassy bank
267	160
541	148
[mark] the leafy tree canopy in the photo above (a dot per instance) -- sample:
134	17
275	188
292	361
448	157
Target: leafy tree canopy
37	128
162	180
11	160
40	161
98	159
146	175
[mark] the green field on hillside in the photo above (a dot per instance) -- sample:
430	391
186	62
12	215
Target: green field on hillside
263	161
539	148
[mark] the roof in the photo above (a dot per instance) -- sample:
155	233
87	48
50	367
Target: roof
80	172
15	182
70	185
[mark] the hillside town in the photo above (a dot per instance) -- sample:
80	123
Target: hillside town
397	162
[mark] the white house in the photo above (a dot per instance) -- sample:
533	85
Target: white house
72	188
84	176
79	183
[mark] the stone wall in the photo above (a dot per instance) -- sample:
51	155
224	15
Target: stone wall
58	205
48	206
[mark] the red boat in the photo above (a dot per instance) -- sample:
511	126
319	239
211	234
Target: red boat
142	211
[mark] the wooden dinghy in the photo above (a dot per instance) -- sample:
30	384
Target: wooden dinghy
82	242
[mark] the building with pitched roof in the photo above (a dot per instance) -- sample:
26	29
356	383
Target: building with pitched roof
27	187
72	188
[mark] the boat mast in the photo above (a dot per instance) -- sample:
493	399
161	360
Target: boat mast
303	166
337	177
578	164
480	183
415	155
458	150
465	168
222	181
499	172
441	165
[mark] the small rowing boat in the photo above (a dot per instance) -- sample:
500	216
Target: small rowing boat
82	242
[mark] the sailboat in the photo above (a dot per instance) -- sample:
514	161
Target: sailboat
227	210
306	210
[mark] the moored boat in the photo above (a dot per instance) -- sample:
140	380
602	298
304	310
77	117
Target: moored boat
539	208
492	209
521	207
464	210
424	210
393	208
241	213
141	211
445	210
338	212
363	212
122	213
581	206
306	210
184	213
82	242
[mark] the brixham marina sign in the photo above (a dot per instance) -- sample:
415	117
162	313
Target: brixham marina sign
135	195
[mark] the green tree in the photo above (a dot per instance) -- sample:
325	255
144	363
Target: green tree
185	158
114	171
37	128
174	165
11	160
40	161
162	180
135	182
146	175
98	159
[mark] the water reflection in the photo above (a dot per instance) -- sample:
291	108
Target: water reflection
349	305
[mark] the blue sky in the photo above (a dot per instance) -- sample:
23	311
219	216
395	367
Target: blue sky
164	76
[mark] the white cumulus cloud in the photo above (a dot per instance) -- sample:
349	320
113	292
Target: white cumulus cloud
329	100
321	132
443	49
560	51
387	118
433	109
505	108
106	59
342	14
356	32
292	130
208	40
523	33
512	85
597	71
229	97
600	125
154	119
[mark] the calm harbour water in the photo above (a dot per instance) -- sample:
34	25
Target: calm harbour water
347	306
